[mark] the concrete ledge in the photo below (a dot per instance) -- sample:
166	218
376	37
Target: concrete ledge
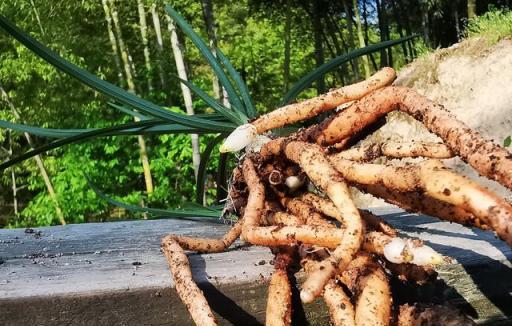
115	274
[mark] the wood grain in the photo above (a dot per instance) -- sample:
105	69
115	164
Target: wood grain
115	274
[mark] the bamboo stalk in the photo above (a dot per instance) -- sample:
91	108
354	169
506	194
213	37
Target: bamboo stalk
39	161
144	35
187	96
131	87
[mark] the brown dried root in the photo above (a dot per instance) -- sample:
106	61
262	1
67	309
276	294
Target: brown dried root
341	309
206	244
483	155
366	279
436	181
369	152
279	302
399	250
187	290
281	218
311	108
393	248
433	315
407	272
274	236
305	211
256	198
417	202
313	162
173	247
327	208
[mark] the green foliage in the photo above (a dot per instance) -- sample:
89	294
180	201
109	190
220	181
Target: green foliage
76	109
493	26
335	63
507	141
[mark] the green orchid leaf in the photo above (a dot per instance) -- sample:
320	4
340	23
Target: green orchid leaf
244	91
307	80
209	56
201	173
111	91
157	212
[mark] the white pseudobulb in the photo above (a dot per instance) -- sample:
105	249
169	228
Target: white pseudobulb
256	144
239	138
306	296
293	182
400	251
424	255
394	250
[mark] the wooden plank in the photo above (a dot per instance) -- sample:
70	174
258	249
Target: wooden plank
114	273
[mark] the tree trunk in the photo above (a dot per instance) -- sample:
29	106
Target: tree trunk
424	22
122	48
386	56
319	50
471	9
351	43
405	17
38	159
400	29
160	45
209	21
287	47
131	87
144	35
187	96
456	20
38	18
113	43
13	180
366	64
331	28
336	34
366	35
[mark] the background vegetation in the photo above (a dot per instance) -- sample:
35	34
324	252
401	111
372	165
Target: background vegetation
130	43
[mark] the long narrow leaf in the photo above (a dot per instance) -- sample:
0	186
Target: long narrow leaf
244	91
201	172
157	212
141	129
158	129
112	91
128	111
208	55
42	132
75	138
307	80
221	177
237	117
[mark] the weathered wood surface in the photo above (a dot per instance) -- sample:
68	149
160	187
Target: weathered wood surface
115	274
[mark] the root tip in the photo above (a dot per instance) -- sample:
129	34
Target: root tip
306	296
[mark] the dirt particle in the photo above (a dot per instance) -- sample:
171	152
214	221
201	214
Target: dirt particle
37	234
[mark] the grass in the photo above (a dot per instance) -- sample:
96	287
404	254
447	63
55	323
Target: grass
492	26
481	33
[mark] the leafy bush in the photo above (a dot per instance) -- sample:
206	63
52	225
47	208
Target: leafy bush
494	25
109	164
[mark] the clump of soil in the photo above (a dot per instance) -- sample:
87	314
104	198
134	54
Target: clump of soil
472	80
